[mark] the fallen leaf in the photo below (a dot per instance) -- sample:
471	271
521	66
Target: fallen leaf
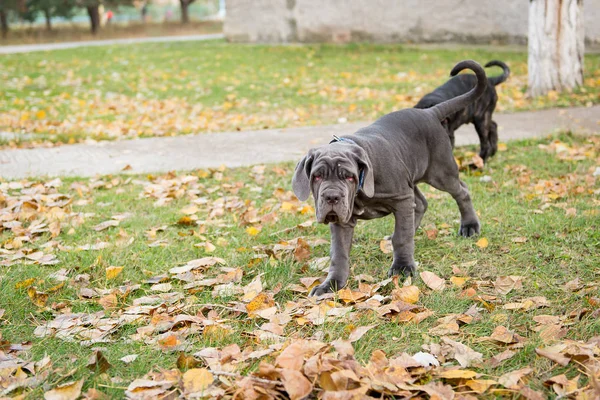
511	379
112	272
433	281
358	332
98	363
482	243
67	391
295	383
196	380
407	294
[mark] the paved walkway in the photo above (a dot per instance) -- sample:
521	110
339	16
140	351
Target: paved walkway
235	149
26	48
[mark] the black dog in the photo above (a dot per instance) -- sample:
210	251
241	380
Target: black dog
478	113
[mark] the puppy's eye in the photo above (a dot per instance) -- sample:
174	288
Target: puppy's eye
350	179
317	177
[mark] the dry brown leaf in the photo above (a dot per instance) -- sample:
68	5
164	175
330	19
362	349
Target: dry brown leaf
553	353
462	353
196	380
67	391
105	225
386	246
358	332
98	363
295	383
505	284
511	379
433	281
498	358
407	294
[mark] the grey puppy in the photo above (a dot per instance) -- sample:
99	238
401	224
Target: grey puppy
375	172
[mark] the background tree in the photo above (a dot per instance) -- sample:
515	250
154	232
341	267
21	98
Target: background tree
7	7
556	45
185	16
93	9
52	8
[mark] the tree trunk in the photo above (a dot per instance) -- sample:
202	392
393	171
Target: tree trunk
556	44
185	17
3	23
48	19
94	18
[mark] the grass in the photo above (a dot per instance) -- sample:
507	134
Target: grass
114	92
547	195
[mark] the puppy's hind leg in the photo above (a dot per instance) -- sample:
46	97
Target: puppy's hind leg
420	207
444	176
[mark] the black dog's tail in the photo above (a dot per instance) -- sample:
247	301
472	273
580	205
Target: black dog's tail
496	80
457	103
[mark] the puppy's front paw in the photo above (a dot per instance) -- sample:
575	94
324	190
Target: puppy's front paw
329	286
402	270
469	229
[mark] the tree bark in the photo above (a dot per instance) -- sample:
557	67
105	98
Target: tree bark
48	17
3	23
185	17
94	18
556	45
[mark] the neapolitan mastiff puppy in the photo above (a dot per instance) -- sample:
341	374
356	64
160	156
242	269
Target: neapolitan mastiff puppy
375	172
479	113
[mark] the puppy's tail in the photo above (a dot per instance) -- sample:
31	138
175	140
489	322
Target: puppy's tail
496	80
457	103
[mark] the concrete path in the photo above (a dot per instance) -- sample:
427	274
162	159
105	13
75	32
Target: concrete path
26	48
235	149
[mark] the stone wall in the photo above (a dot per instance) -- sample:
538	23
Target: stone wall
470	21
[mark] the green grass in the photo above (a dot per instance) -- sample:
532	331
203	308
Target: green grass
559	248
178	88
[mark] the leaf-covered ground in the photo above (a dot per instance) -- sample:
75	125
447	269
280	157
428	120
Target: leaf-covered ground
195	285
105	93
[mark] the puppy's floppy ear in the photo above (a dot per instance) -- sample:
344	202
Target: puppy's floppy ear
301	179
364	164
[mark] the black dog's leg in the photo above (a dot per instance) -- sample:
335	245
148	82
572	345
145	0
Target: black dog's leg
341	242
493	137
403	239
482	126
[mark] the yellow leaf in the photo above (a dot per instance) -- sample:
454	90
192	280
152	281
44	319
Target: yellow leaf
38	298
196	380
480	385
482	243
40	114
287	206
258	303
25	283
407	294
458	374
252	231
502	147
113	272
459	281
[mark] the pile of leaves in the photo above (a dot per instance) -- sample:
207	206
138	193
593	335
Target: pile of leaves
195	285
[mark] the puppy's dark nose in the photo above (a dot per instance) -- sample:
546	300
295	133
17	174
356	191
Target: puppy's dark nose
332	198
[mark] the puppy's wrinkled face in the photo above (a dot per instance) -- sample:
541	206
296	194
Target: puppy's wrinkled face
334	182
